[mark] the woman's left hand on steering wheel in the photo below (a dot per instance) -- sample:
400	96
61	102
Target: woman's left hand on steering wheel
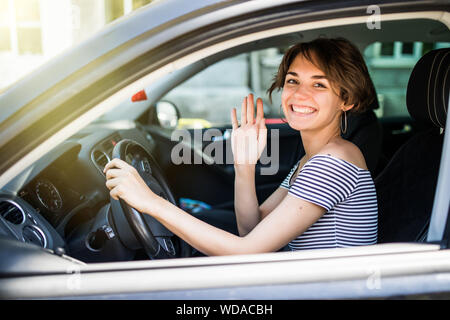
124	182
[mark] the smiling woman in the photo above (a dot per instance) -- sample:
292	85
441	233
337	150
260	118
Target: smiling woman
333	188
53	135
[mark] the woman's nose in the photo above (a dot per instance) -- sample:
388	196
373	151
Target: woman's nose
301	91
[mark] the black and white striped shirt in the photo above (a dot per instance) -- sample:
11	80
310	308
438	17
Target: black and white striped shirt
347	192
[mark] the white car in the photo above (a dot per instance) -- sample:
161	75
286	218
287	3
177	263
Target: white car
62	237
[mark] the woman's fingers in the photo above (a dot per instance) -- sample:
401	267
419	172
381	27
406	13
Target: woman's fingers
262	136
250	109
244	112
116	188
259	110
234	121
114	193
112	183
248	112
113	173
115	163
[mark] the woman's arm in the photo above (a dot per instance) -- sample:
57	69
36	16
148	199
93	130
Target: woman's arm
288	220
246	201
292	217
272	202
246	205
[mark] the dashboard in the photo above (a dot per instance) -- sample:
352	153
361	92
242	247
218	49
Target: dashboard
61	201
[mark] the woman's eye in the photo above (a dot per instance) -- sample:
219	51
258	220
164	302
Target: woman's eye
291	81
319	85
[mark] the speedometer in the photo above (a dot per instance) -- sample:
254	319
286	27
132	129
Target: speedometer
48	195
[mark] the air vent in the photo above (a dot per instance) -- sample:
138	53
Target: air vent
33	234
100	159
11	212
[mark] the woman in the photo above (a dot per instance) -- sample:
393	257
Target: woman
327	201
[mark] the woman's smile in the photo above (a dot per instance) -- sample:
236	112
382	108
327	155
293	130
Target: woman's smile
302	110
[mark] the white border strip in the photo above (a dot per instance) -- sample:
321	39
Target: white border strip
109	103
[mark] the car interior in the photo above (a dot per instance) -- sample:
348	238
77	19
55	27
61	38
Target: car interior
61	202
406	186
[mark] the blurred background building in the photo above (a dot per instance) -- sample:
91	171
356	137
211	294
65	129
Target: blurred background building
33	31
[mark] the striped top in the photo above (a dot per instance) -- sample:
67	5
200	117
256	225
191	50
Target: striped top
347	192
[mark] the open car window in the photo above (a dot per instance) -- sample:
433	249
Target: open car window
205	99
390	65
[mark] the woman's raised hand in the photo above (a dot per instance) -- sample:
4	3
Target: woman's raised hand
248	140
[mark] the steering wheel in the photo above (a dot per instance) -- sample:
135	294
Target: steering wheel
157	241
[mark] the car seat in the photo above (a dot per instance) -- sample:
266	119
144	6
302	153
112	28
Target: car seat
406	186
365	131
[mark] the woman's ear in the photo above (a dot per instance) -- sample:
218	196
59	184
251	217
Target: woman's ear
347	108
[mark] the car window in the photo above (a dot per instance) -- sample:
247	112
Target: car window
205	100
212	92
390	65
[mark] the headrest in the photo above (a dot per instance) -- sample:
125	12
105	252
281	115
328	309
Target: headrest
428	88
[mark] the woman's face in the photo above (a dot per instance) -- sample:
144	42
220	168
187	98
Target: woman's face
308	100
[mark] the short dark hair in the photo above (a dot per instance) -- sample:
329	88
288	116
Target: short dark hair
343	65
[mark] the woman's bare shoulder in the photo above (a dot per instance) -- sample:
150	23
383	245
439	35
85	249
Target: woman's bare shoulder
345	150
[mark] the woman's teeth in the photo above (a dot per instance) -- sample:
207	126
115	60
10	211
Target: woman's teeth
303	109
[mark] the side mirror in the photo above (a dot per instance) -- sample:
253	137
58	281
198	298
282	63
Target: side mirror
167	114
